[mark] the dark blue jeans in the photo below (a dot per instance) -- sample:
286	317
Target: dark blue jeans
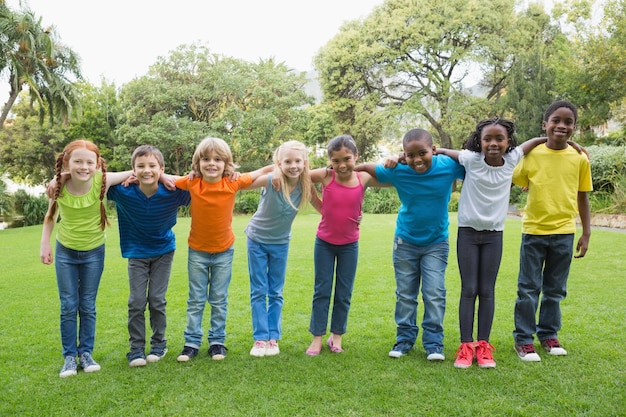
544	267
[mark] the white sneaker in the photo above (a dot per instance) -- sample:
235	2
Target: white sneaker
435	357
527	353
553	347
258	349
271	349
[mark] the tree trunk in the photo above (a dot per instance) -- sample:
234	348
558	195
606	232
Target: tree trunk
7	107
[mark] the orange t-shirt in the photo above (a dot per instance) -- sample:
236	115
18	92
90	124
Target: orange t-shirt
212	207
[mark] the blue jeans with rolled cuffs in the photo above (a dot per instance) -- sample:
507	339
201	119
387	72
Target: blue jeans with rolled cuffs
209	277
544	268
330	261
423	266
78	278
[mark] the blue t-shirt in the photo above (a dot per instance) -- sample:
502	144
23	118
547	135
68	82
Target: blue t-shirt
423	215
146	223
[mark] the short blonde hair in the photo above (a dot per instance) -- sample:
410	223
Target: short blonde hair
220	147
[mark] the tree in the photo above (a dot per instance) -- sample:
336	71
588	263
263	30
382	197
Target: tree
414	56
32	57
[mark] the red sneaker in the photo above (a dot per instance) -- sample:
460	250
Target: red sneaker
464	355
483	354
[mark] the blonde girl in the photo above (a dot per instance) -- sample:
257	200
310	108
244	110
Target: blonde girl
269	232
79	253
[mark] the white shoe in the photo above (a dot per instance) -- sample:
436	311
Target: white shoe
271	349
258	349
527	353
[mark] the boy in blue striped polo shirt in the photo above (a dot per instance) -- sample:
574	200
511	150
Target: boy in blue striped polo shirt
146	212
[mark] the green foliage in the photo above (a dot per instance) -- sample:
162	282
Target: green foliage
247	201
608	166
34	210
382	200
6	200
453	205
20	198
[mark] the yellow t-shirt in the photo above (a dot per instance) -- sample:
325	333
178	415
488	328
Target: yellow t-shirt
554	178
211	211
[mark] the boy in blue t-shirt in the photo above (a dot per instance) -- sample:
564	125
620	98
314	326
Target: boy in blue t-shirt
146	214
420	250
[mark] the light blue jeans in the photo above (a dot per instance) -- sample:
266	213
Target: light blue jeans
331	260
426	265
78	278
544	267
209	277
267	265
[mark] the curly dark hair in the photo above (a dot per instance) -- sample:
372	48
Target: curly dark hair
473	141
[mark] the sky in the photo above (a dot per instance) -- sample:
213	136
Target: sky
120	39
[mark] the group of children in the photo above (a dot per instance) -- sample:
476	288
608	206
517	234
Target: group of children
557	177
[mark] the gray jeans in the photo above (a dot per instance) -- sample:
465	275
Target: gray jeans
148	279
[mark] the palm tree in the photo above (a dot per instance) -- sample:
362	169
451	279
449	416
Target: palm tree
31	56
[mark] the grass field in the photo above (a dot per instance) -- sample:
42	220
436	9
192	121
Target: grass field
363	381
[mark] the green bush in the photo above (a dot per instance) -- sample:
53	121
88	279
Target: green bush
34	210
381	201
247	202
608	165
453	205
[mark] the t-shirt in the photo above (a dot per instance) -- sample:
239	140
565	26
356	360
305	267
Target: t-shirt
145	223
212	207
554	178
271	223
423	215
80	228
484	201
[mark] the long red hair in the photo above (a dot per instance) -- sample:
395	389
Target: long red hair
62	162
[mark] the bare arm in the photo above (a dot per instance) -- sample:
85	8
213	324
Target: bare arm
260	181
315	199
369	168
320	175
530	144
585	218
45	252
114	178
454	154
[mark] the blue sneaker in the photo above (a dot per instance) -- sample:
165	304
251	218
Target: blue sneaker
69	367
136	357
156	353
217	352
400	349
87	363
435	354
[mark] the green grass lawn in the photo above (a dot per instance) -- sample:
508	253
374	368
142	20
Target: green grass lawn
363	381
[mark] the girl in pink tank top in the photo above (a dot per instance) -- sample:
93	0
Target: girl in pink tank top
336	244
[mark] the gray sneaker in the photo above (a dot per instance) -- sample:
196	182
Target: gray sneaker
136	357
156	353
69	367
400	349
87	363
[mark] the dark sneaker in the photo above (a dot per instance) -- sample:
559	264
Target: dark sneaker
136	358
527	353
156	353
553	347
435	355
87	363
187	354
400	349
69	367
217	352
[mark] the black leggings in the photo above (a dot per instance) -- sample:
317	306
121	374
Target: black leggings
479	254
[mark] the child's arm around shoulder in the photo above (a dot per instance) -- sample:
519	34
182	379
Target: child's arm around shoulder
320	175
256	174
454	154
369	168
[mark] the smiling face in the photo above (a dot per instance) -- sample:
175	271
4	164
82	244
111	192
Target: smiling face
291	164
559	127
494	141
212	167
82	164
419	155
343	161
147	170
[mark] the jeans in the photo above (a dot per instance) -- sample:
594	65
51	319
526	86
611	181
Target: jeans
148	280
78	278
331	260
479	254
544	267
267	265
426	265
209	277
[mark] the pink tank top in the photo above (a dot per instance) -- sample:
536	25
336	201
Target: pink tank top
341	207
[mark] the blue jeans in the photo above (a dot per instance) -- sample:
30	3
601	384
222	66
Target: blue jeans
544	267
209	277
78	278
330	260
267	265
426	265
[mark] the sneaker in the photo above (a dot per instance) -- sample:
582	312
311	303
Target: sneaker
156	353
435	355
484	355
187	354
527	353
217	352
400	349
272	348
87	363
258	349
69	367
464	355
136	358
553	347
